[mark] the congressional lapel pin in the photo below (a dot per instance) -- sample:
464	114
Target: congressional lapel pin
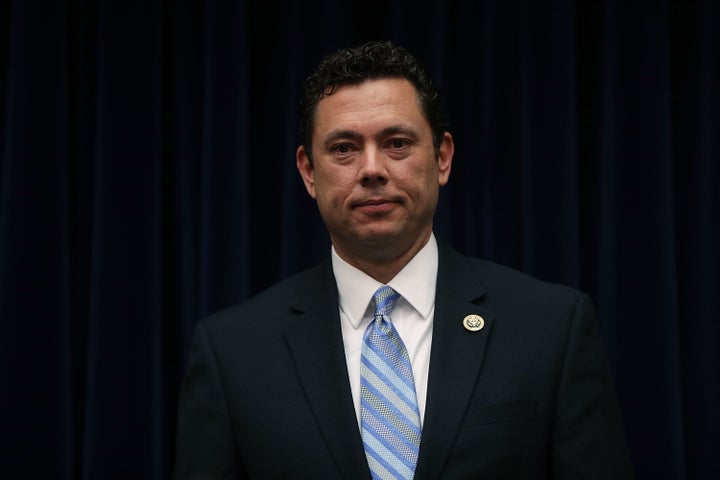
473	323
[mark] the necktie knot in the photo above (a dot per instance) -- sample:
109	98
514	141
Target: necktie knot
384	299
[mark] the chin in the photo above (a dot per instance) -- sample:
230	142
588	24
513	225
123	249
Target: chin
379	233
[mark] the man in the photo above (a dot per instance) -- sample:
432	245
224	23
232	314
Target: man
396	357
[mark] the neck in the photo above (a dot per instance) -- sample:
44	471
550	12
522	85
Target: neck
383	264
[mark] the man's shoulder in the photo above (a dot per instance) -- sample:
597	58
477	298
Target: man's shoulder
520	302
274	307
501	280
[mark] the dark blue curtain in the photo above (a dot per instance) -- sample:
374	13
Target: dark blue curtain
147	179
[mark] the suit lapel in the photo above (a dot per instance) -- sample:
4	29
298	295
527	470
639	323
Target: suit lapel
455	360
315	342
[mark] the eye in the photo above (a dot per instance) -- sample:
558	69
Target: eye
398	143
341	148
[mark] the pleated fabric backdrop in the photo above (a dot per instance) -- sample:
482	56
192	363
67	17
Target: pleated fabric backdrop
148	179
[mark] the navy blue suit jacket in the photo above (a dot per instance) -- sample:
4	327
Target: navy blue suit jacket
266	394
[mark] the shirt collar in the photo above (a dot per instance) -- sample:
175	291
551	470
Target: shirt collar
415	283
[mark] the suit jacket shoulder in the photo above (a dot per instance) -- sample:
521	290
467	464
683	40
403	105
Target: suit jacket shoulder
271	311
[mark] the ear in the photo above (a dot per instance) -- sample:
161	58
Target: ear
302	160
445	156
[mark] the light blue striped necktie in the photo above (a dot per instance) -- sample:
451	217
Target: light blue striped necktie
389	411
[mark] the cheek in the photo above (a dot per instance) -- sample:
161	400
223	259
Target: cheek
419	181
332	188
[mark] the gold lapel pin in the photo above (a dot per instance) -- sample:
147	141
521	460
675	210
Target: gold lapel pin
473	323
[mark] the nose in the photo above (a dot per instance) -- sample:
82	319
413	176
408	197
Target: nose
372	167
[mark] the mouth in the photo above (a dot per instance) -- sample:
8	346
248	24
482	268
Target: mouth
376	206
374	201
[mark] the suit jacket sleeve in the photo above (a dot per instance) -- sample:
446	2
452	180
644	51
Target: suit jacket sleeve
206	446
588	439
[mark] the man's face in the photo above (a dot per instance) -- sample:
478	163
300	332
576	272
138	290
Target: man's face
375	173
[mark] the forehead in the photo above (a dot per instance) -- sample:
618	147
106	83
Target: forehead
370	104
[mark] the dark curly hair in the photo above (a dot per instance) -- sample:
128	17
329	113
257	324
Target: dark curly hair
374	60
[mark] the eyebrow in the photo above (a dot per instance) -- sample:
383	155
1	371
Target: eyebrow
398	129
341	135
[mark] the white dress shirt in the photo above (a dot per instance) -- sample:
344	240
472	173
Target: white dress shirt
412	315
